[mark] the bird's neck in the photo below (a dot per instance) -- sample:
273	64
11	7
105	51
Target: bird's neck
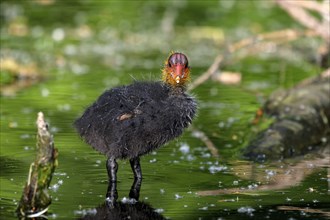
176	89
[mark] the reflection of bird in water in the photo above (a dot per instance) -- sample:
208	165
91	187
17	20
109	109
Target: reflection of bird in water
121	210
127	122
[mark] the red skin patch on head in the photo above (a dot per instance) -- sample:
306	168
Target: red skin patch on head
176	70
178	58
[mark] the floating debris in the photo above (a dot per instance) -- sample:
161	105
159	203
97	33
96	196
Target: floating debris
215	169
177	196
248	210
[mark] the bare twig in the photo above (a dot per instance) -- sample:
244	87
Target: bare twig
298	10
276	37
204	138
206	75
324	74
261	42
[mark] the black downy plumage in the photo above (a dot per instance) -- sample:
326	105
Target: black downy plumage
127	122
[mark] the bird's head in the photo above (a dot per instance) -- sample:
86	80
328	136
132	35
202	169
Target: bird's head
176	71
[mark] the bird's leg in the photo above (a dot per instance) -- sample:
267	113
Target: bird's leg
112	193
136	168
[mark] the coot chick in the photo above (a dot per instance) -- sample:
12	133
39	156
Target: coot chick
127	122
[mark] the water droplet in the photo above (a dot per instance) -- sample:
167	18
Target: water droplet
160	210
44	92
154	160
247	210
204	208
215	169
184	148
13	124
58	34
177	196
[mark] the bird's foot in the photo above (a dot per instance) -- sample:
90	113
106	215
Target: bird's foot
134	194
129	201
110	202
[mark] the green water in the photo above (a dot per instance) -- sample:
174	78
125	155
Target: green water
84	47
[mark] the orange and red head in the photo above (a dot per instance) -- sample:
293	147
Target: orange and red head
176	71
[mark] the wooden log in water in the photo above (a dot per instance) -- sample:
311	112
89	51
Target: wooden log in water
301	121
35	199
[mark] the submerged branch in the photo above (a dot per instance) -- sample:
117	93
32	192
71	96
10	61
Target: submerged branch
304	210
280	178
205	139
35	198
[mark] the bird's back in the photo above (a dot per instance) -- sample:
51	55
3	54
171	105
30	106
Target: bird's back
130	121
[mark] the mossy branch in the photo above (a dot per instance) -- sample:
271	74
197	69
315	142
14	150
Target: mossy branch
35	199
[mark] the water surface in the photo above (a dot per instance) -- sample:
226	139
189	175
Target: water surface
83	48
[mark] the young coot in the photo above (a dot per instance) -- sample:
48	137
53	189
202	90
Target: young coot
127	122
